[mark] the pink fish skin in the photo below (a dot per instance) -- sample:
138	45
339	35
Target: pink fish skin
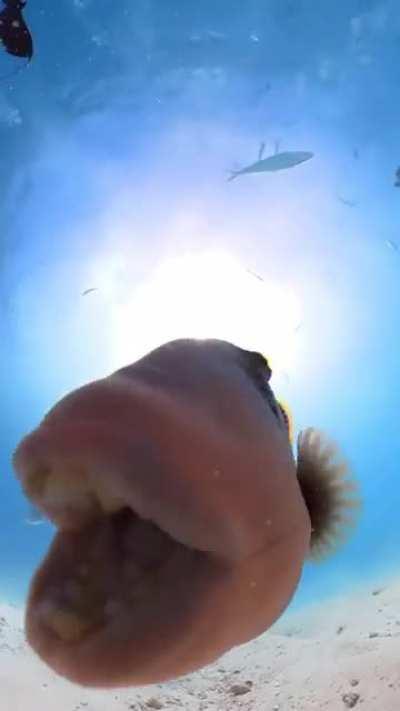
182	530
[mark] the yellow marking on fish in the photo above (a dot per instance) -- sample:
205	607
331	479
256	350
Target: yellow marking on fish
288	416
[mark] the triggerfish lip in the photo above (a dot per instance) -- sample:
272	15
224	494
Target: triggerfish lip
176	459
76	473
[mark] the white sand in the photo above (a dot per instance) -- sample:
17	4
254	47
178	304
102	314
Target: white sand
344	653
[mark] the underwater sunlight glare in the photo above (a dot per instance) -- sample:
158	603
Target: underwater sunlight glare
207	295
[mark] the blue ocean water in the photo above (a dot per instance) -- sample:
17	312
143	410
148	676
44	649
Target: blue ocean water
116	143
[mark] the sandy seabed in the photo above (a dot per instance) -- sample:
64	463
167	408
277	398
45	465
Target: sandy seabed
342	653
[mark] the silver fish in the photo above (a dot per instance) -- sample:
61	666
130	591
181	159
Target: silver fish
277	161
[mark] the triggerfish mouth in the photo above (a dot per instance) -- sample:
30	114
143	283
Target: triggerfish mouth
183	517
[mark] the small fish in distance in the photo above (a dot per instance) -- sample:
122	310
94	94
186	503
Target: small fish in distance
256	276
14	33
397	181
346	201
392	245
277	161
89	291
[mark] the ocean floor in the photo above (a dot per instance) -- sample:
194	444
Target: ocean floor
340	654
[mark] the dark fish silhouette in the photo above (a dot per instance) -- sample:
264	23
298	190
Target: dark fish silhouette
89	291
397	175
14	33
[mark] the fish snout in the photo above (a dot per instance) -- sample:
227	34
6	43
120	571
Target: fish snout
64	471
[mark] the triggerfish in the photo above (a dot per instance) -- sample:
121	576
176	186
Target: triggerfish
183	517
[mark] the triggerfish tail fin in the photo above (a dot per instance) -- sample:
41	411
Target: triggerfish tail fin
329	491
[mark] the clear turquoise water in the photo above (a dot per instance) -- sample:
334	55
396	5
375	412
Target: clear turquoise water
115	145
